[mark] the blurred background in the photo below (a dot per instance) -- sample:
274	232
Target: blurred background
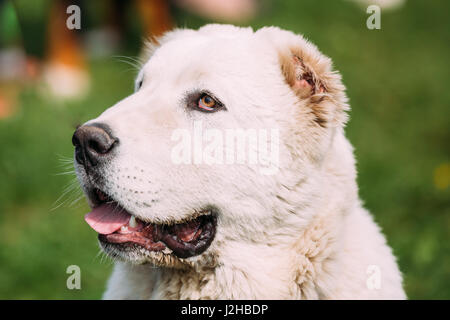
53	78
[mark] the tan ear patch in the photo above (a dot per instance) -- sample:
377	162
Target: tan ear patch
311	78
300	77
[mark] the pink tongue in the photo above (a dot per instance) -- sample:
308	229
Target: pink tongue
107	218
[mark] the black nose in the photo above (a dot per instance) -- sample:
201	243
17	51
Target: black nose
92	143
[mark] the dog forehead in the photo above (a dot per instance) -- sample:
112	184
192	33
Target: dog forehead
205	53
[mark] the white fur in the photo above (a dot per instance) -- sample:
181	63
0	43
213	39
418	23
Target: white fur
299	234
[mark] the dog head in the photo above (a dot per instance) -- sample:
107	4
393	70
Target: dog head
224	126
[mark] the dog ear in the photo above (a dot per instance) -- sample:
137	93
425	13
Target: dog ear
309	74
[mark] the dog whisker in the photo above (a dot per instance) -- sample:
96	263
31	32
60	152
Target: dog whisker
71	190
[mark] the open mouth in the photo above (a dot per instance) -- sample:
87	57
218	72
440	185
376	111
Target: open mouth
115	225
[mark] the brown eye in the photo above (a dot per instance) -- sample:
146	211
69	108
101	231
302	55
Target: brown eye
207	103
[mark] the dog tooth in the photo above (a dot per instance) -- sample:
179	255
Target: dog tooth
132	223
124	228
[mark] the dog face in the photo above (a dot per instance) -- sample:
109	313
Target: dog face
163	170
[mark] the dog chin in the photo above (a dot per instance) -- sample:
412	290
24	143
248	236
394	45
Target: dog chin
138	255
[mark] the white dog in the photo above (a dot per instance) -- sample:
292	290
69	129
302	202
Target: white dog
201	229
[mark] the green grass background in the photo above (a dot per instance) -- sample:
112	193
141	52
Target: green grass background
397	80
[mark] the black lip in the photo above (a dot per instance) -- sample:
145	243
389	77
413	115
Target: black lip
189	249
94	197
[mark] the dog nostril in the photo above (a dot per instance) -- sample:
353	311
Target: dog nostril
98	146
93	145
